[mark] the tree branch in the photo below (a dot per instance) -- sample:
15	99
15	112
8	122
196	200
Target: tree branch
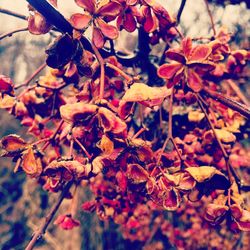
178	18
55	18
26	82
12	13
39	233
13	32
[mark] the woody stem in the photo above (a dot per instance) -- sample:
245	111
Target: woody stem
39	233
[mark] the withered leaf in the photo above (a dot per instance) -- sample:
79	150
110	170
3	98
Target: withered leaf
31	165
137	174
12	143
146	95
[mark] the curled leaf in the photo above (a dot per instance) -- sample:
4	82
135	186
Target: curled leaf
201	174
137	174
13	143
67	169
149	96
215	213
110	122
106	145
172	199
31	165
79	111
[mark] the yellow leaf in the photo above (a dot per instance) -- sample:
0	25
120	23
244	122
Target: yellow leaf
201	174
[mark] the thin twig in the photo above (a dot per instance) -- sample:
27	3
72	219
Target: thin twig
211	17
102	75
225	155
53	136
42	229
26	82
170	134
238	92
13	32
241	108
82	147
12	13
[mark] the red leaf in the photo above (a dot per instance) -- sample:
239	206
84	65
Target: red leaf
171	200
12	143
88	5
176	56
194	81
38	25
31	165
151	22
80	21
77	111
168	71
129	22
186	46
111	9
200	52
66	222
97	38
215	213
107	30
110	122
6	85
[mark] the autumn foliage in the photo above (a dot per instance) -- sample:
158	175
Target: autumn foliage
100	120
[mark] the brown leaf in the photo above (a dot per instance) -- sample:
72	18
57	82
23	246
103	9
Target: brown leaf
68	169
137	174
13	143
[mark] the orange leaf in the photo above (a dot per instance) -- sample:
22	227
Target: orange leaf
31	165
106	145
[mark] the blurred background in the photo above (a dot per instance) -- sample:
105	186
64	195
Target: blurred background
22	202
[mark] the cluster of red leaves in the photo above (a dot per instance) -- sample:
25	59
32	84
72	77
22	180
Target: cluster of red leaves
98	142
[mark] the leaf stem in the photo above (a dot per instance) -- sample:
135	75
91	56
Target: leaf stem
102	75
119	71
